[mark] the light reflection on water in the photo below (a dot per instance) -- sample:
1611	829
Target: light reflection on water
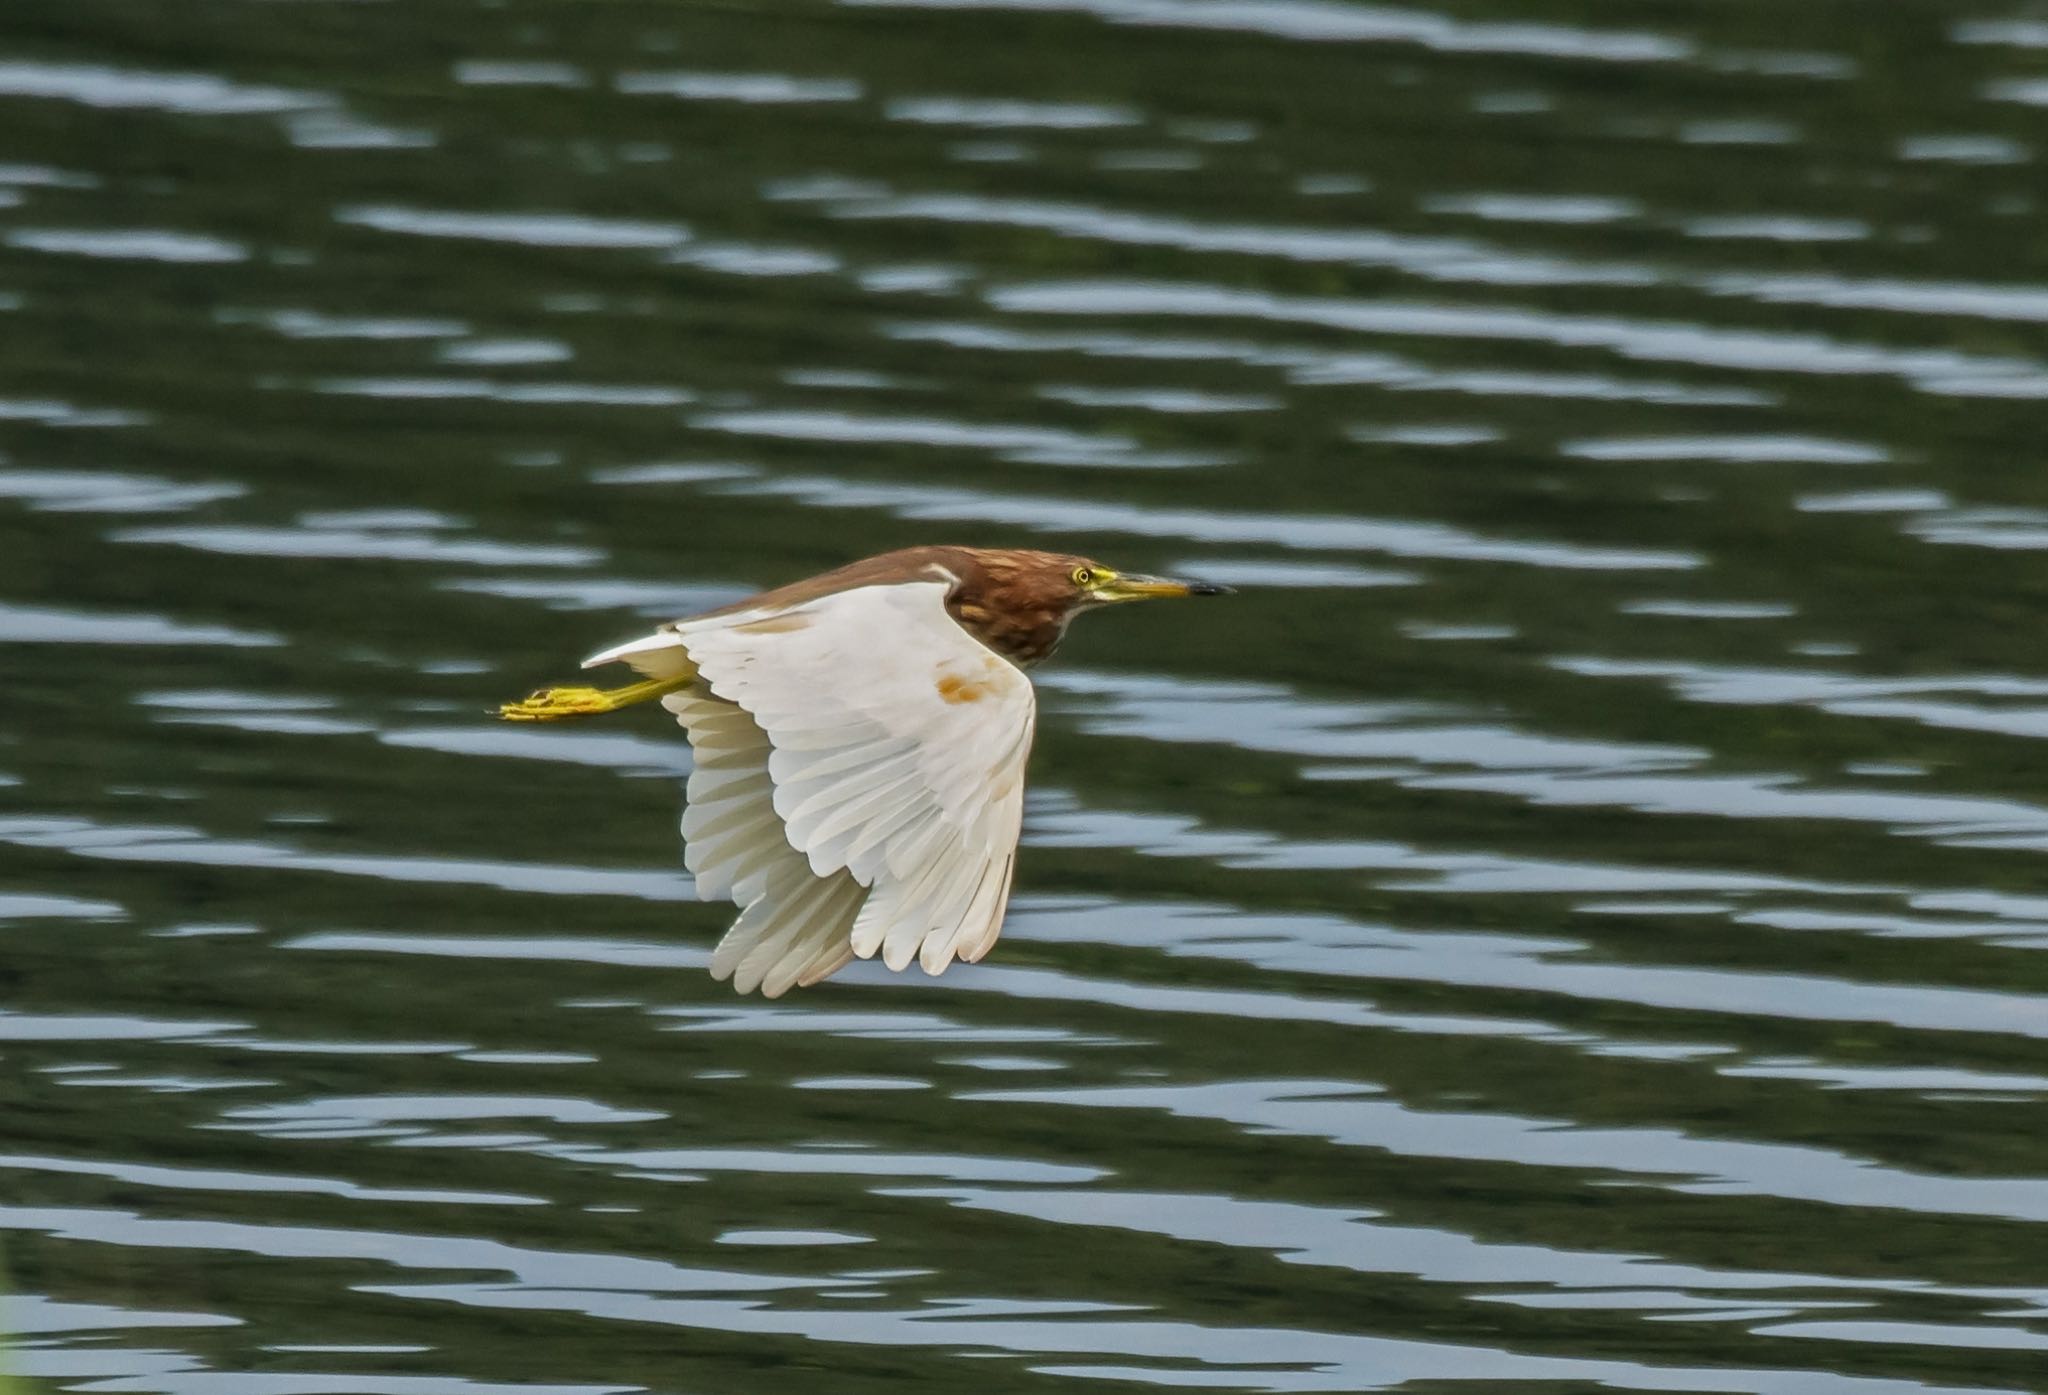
1571	919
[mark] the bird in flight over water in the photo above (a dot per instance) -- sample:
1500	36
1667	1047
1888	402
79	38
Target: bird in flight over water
860	740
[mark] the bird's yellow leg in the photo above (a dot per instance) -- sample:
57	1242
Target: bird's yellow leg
560	704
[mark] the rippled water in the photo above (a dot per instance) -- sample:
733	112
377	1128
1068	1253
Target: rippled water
1574	920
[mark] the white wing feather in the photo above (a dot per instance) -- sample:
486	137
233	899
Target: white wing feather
886	754
794	927
659	655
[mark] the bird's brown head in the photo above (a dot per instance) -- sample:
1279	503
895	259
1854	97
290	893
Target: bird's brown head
1018	602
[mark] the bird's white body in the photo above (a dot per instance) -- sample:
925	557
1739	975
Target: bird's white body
858	785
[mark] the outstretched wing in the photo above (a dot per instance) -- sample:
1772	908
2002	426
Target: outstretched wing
896	747
794	926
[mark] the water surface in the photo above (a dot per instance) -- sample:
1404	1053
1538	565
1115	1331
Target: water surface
1574	920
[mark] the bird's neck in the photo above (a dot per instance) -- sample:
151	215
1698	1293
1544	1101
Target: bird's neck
1022	642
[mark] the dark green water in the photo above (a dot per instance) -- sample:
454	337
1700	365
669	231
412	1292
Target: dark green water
1577	919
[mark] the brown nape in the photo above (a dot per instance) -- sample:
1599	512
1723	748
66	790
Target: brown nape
1015	601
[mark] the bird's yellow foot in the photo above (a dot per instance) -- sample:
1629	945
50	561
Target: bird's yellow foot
560	704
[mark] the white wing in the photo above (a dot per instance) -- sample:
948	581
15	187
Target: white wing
794	927
897	752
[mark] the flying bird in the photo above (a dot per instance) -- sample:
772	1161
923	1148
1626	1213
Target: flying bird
860	740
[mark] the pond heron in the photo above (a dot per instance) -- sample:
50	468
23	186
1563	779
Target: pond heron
860	741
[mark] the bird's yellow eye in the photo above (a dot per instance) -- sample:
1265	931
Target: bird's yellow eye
1083	577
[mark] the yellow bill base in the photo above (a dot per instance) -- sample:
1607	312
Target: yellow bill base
560	704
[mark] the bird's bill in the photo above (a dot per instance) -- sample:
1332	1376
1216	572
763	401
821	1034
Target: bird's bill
1154	588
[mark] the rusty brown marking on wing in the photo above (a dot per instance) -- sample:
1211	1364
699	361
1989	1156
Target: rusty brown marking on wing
776	624
955	688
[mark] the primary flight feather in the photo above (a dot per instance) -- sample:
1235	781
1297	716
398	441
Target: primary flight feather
859	743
